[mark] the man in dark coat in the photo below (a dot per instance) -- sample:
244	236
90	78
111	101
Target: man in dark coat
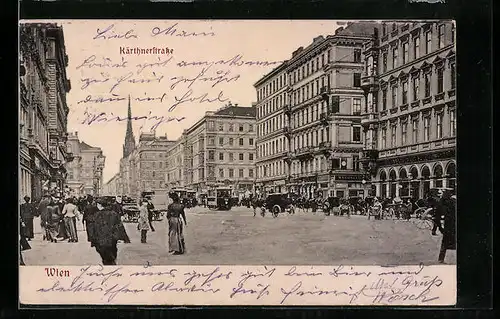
43	212
151	209
433	202
446	207
27	214
109	230
88	219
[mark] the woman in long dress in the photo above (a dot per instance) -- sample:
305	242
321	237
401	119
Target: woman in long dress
176	216
54	218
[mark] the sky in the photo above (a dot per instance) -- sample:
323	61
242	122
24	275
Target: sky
177	82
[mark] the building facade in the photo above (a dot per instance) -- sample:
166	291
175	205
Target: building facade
85	172
43	110
309	118
149	164
217	150
410	111
143	166
110	188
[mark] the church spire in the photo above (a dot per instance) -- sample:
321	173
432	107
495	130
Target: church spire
129	145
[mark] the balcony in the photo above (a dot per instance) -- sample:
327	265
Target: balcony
304	152
287	131
415	104
427	100
70	156
369	81
323	118
323	91
439	96
287	109
369	118
370	155
325	148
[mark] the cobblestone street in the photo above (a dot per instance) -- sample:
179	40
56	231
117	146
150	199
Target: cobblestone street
236	237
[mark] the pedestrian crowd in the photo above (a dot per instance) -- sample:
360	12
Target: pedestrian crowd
102	220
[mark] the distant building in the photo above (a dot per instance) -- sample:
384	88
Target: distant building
111	186
143	166
410	112
219	149
85	172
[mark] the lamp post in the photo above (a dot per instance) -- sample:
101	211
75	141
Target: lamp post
98	167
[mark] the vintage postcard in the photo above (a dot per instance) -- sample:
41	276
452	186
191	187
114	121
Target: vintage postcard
237	162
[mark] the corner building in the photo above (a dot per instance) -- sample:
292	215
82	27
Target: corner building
409	117
219	149
43	110
309	118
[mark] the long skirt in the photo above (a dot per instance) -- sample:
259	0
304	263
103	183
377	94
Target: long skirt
90	227
28	229
51	230
176	236
62	231
108	253
70	225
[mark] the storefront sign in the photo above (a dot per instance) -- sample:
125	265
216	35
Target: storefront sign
341	185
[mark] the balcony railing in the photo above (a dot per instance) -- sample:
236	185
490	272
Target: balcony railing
369	118
323	117
369	80
288	109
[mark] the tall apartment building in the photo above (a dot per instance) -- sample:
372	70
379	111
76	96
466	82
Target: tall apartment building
218	149
150	163
410	113
309	117
43	109
85	172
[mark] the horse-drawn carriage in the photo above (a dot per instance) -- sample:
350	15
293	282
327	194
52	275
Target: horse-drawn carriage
278	203
331	205
130	210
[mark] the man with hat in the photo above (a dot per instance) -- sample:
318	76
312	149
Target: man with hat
43	212
109	230
27	214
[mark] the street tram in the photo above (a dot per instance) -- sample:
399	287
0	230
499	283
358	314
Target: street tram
219	198
181	192
190	198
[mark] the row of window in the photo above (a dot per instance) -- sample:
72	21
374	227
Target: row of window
272	86
416	94
277	168
309	90
409	132
221	127
271	106
272	147
221	156
271	125
230	141
230	173
400	53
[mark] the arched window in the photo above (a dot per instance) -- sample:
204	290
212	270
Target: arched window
405	183
451	174
426	178
393	185
438	175
383	184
